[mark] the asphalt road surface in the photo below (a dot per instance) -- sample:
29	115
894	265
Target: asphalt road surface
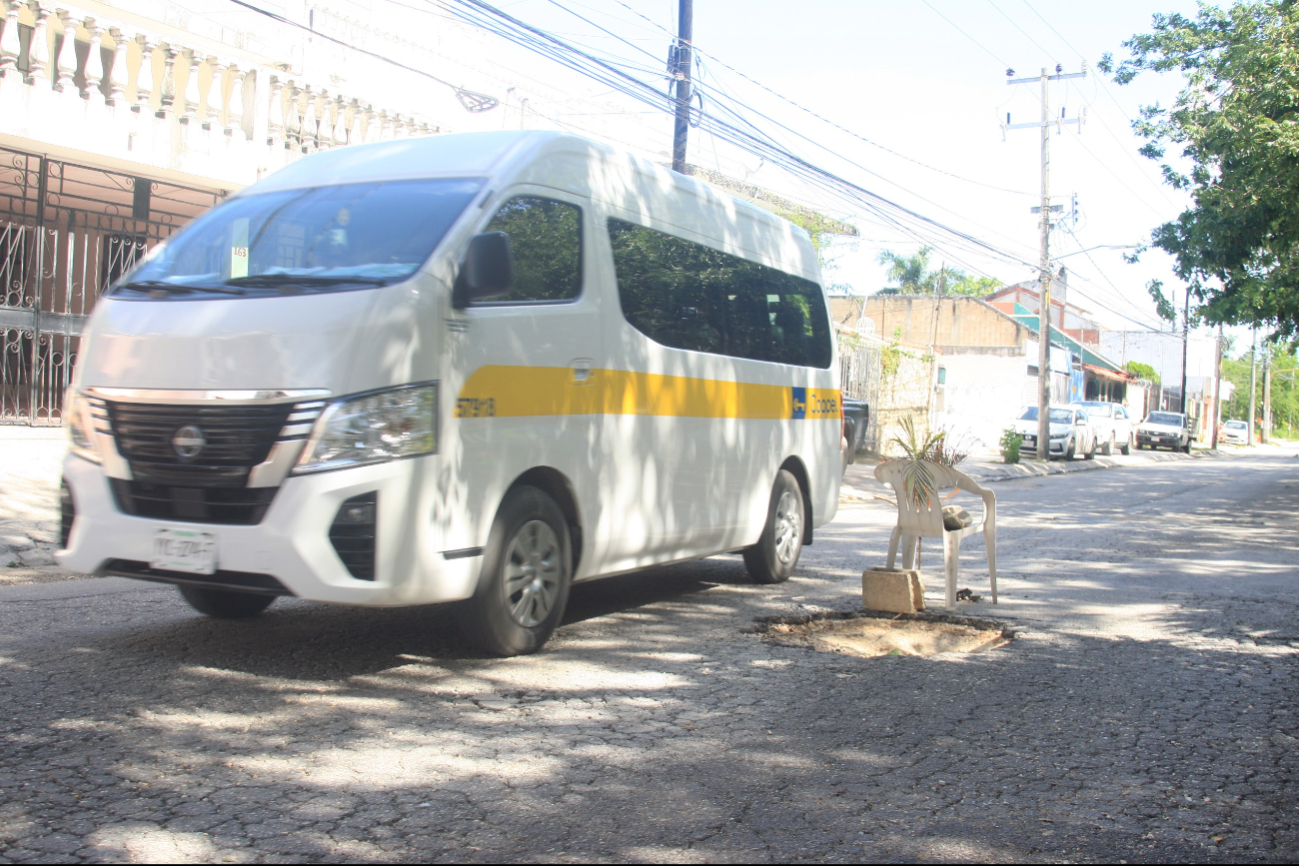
1146	711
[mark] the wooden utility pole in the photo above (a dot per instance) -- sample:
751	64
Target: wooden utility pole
1217	391
685	28
1044	295
1253	381
1266	433
1186	337
933	340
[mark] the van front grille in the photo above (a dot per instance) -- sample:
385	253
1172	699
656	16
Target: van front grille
192	462
235	506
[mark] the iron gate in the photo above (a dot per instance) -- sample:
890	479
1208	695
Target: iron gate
67	232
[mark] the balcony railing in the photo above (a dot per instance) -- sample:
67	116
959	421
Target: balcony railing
73	56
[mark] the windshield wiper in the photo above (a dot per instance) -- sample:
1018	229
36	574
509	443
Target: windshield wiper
275	281
152	285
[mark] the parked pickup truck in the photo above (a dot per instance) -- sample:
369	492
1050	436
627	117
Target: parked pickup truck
1165	430
856	417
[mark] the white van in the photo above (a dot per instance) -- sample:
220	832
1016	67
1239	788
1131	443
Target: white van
462	368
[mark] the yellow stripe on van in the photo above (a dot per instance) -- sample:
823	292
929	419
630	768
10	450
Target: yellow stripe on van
497	391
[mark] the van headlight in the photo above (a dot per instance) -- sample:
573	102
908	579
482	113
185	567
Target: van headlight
75	417
373	428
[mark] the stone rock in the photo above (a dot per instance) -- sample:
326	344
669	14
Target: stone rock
897	590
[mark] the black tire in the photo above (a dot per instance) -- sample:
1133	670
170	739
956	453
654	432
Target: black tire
1109	446
1073	445
526	576
225	603
1091	455
1127	447
773	558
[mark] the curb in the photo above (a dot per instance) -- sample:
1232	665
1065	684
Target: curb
1037	469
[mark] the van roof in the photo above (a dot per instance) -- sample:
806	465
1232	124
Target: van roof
556	160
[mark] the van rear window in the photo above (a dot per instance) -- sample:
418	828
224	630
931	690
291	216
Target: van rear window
689	296
328	238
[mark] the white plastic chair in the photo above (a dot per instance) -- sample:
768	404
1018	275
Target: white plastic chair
917	523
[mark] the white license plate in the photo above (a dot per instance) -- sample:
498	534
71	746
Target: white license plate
184	550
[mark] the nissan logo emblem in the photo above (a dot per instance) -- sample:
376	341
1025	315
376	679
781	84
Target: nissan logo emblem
188	441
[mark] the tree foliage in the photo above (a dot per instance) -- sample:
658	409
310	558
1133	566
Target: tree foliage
1236	124
1142	371
913	275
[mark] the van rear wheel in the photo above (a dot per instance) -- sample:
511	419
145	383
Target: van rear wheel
527	572
773	558
224	603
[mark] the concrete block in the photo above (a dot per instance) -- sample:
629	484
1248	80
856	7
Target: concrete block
897	590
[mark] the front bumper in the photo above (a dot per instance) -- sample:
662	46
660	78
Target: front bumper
1055	446
1161	440
291	544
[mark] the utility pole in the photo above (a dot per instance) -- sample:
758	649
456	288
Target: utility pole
933	340
1044	295
1217	391
685	28
1266	433
1186	336
1253	381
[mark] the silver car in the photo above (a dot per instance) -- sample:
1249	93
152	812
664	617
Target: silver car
1071	431
1113	426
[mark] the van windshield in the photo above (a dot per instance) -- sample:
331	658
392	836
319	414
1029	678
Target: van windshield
324	239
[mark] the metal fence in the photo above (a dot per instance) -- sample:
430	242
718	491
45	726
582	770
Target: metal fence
67	231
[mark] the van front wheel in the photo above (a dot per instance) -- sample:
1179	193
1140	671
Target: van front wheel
773	558
527	571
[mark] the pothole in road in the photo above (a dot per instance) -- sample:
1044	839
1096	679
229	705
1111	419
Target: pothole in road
869	635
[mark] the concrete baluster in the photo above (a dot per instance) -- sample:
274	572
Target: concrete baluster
94	60
10	45
169	78
275	128
354	123
39	50
293	122
398	127
117	75
369	125
65	64
144	77
235	107
340	122
310	122
191	89
212	103
385	126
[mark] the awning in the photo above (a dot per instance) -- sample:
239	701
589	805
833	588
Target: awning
1113	376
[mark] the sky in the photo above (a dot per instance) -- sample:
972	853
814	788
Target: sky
912	96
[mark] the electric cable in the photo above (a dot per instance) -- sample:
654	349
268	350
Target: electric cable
824	119
890	212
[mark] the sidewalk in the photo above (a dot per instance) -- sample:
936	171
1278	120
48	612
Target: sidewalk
30	468
859	481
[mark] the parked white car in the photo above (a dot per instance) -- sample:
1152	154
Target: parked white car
1234	433
1113	425
1072	432
1165	430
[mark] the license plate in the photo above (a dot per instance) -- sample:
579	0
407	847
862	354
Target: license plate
184	550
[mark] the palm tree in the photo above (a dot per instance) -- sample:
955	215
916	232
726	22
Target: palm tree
911	274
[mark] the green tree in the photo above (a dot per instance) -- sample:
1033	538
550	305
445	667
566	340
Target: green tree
912	275
1236	126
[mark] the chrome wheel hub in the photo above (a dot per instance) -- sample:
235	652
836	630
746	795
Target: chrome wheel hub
533	572
789	527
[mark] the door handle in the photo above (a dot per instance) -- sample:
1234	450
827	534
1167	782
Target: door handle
581	370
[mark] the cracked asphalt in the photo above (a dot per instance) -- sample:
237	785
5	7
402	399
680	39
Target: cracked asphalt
1146	711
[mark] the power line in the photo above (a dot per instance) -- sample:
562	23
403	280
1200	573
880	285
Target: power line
890	212
983	47
824	119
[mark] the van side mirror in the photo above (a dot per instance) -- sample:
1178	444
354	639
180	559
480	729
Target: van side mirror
488	270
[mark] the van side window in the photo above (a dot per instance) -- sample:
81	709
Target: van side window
546	236
688	296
